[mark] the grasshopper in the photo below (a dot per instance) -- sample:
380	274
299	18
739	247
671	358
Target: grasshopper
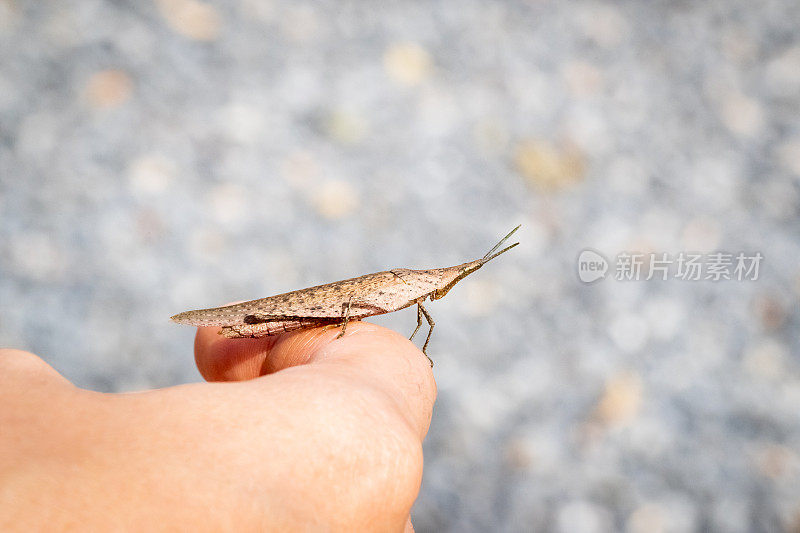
335	304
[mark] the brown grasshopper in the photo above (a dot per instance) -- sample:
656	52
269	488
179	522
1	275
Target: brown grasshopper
335	304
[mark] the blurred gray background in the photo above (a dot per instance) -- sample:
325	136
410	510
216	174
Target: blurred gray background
163	155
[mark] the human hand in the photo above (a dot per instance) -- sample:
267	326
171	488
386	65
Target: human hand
328	438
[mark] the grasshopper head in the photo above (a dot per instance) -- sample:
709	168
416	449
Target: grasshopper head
452	275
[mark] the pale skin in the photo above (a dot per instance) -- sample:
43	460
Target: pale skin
328	437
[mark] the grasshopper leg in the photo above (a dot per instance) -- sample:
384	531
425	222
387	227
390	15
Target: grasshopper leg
346	317
419	323
431	323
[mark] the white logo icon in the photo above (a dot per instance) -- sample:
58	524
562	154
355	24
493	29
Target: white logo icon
591	266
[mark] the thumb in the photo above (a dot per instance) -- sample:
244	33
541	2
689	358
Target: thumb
388	360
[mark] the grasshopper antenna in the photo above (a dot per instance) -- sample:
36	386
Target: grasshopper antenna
491	253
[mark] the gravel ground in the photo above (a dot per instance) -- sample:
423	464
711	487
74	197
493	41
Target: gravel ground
160	156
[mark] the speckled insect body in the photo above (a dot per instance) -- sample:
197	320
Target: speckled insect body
335	304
